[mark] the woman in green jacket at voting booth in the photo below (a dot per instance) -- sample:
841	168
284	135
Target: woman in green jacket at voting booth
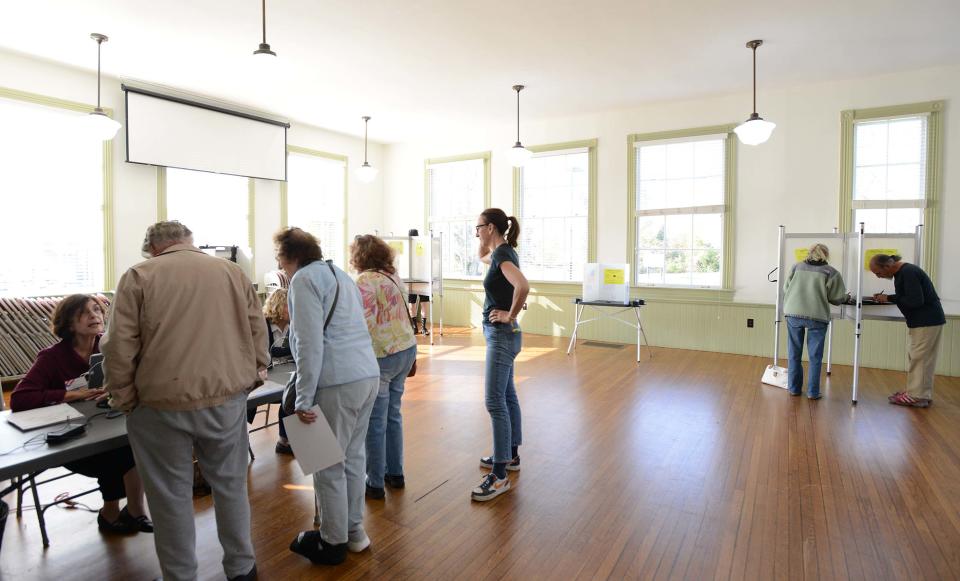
811	287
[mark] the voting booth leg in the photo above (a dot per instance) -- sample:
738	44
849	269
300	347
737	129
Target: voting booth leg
576	325
829	345
640	332
858	324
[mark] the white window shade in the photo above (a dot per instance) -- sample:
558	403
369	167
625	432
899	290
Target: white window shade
174	132
52	239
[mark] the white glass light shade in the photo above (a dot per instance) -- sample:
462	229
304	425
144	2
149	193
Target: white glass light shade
98	126
754	131
518	155
366	173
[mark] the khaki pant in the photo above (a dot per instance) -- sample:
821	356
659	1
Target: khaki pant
922	360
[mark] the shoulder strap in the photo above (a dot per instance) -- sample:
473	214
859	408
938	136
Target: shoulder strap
336	296
403	297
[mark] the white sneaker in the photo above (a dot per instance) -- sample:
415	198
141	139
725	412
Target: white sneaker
359	546
490	487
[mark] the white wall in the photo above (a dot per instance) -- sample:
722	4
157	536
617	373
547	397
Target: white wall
135	186
793	179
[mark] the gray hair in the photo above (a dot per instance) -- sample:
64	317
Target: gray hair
818	253
885	259
164	233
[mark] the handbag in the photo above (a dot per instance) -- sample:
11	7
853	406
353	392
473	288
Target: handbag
288	403
413	368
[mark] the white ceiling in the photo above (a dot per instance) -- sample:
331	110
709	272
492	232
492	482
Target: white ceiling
414	65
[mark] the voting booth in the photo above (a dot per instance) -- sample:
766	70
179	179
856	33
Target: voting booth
418	261
603	282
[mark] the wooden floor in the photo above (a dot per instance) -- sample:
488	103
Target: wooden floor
684	467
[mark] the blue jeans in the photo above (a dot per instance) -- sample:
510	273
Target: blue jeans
385	434
503	345
816	334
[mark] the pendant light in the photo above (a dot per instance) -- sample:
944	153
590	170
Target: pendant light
264	54
754	130
98	124
366	173
518	154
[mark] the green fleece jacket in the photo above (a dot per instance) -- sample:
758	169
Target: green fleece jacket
810	289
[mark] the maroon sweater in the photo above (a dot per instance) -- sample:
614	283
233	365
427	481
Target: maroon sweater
44	383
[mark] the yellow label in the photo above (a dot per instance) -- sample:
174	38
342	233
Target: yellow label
613	276
420	249
801	254
397	246
870	253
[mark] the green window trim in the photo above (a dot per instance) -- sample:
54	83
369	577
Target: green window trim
251	212
284	208
591	146
725	293
484	155
934	176
109	230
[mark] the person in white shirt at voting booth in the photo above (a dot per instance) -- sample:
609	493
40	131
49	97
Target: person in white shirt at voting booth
811	287
337	371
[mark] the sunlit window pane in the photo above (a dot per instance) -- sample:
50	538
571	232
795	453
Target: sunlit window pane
316	194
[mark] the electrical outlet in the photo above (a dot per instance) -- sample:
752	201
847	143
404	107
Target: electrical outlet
749	323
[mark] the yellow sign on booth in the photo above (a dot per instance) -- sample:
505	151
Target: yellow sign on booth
613	276
801	254
397	246
420	249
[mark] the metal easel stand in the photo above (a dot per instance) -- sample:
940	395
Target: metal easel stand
634	306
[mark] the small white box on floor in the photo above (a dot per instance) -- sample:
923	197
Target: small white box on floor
606	282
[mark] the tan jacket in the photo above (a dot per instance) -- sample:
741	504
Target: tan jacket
186	332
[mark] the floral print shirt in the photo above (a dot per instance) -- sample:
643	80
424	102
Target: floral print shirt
385	309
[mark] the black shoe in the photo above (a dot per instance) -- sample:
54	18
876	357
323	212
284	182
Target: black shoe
312	546
250	576
394	480
513	466
117	527
140	523
283	448
375	493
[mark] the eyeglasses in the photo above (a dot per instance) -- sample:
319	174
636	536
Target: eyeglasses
479	226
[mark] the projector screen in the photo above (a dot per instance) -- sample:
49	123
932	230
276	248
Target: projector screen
169	132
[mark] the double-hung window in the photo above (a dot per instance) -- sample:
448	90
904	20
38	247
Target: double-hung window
681	213
554	196
54	199
215	207
457	191
890	176
316	198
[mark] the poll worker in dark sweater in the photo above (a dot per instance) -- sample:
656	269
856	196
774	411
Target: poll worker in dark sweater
916	298
57	376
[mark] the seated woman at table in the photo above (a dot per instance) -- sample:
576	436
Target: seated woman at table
57	377
278	323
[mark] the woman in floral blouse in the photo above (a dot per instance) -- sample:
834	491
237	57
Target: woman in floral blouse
385	307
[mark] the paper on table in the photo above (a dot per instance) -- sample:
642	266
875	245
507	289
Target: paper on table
314	445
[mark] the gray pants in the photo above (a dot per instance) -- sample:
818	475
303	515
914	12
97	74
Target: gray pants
163	445
340	488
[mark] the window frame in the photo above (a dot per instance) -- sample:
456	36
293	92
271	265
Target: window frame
109	242
933	178
486	157
284	218
591	146
251	210
725	292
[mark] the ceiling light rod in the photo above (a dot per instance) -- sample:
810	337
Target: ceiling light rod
264	47
366	124
518	88
100	38
753	44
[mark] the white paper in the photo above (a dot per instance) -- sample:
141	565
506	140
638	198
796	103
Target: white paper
314	445
45	416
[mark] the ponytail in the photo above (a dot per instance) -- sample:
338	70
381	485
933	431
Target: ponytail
513	231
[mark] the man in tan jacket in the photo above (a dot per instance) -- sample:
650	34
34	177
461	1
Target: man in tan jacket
185	344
